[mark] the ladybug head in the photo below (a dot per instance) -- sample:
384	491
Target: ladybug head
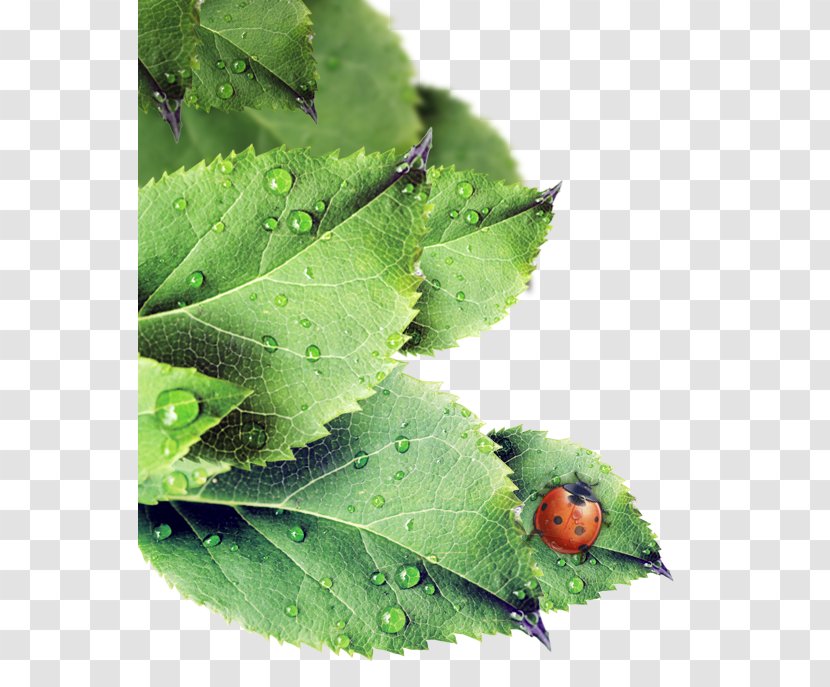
580	492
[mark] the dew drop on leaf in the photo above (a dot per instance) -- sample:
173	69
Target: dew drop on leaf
377	578
326	583
453	214
394	340
402	168
270	343
212	540
483	445
575	585
226	166
292	611
448	261
399	475
162	531
305	323
378	501
280	300
169	447
279	180
220	64
320	206
561	563
350	508
238	66
464	189
392	620
605	469
409	188
218	227
278	511
361	458
234	548
270	223
176	408
296	534
340	624
341	642
180	204
299	222
460	296
198	477
436	284
471	217
409	525
312	353
407	576
429	589
224	91
402	444
485	211
254	435
195	279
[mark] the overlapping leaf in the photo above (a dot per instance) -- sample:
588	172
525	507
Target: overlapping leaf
626	548
365	100
478	255
286	274
407	481
175	407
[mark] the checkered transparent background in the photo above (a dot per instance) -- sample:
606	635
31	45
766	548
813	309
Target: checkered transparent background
678	323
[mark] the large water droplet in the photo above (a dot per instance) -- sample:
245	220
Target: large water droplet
392	620
196	279
162	531
212	540
198	477
312	353
299	222
464	189
292	611
224	91
296	533
484	445
177	408
238	66
226	166
279	180
575	585
394	340
429	589
377	578
460	296
402	444
407	576
270	343
341	642
471	217
270	223
361	458
253	435
378	501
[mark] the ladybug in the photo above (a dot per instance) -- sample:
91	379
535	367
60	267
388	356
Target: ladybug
569	518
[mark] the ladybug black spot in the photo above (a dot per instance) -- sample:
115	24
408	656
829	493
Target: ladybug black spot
557	520
544	506
596	519
579	530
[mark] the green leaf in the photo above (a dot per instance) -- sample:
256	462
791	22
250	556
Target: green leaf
462	139
175	407
287	274
626	548
478	255
254	54
446	509
166	44
365	99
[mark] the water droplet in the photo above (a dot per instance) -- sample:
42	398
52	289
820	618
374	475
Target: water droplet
592	561
485	211
238	66
320	206
299	222
520	594
305	323
270	223
270	343
464	435
409	188
218	227
532	618
226	166
198	477
556	481
392	620
429	589
605	469
448	261
176	408
341	642
312	353
575	585
280	300
409	525
212	540
220	64
234	548
378	501
546	605
460	296
253	435
304	407
464	189
279	180
484	445
561	563
227	183
465	412
180	204
296	534
436	284
278	511
361	458
394	340
399	475
407	576
453	214
350	508
402	444
518	616
471	217
326	583
224	91
162	531
195	279
402	168
377	578
181	304
228	18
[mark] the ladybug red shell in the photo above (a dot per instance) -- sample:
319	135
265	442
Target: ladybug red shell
569	518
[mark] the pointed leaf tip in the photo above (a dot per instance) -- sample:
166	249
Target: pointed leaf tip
551	193
308	107
173	117
659	568
536	630
420	149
